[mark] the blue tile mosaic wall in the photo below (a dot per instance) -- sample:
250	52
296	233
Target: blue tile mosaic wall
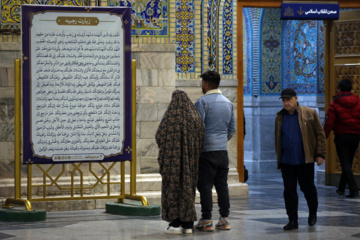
321	56
228	37
302	56
290	54
300	44
270	52
247	49
218	47
185	51
213	6
149	17
10	9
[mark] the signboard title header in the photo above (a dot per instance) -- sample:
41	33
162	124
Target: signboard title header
310	11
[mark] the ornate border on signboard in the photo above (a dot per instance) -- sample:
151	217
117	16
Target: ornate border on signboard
77	85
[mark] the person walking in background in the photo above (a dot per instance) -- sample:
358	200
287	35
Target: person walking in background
343	117
299	142
217	113
180	138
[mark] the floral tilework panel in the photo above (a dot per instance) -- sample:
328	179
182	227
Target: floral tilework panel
271	52
149	17
228	37
303	56
185	51
10	9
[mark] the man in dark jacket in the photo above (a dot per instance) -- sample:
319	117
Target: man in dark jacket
343	117
299	142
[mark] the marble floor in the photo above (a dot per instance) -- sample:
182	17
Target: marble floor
261	216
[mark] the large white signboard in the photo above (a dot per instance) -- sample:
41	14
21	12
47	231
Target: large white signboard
77	85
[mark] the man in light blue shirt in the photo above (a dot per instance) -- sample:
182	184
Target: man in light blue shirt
217	113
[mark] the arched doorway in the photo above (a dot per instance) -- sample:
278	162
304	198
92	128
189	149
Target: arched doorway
330	170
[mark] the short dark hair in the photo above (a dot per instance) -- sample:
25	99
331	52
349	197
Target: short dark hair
345	85
211	77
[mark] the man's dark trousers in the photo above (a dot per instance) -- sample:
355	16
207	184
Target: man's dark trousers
346	146
213	170
304	174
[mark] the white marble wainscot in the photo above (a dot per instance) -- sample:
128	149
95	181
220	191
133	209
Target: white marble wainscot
259	146
8	53
155	81
149	185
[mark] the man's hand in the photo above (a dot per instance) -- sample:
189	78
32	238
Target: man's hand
319	161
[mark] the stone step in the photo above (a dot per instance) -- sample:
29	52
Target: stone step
147	185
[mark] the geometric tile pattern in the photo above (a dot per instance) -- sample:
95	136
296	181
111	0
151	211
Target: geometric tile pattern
271	52
227	37
247	53
158	39
300	56
321	56
251	26
10	9
185	36
194	47
10	13
347	39
291	53
351	72
213	26
149	17
151	25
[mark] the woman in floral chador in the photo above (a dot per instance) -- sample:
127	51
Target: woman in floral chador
180	138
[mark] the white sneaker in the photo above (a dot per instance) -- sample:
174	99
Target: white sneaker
173	230
187	230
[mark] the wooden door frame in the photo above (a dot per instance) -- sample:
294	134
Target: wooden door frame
240	66
333	168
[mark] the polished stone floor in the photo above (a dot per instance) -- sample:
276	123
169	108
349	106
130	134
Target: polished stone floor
261	216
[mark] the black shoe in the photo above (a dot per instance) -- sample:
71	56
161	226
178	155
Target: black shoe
312	219
340	192
291	225
352	195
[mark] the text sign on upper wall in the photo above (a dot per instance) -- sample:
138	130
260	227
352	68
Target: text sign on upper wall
76	84
310	11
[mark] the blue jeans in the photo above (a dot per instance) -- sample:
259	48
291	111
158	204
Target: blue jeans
213	170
